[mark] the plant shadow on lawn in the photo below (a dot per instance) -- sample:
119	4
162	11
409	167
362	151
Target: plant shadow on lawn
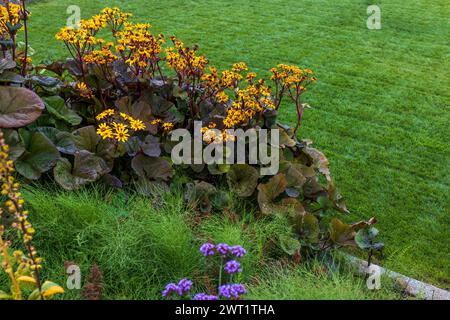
142	243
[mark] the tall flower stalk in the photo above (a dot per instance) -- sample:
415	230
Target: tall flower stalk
22	268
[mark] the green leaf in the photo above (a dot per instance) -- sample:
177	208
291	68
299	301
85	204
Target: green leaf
199	194
4	295
289	245
19	107
63	140
242	179
40	155
58	108
11	77
16	145
364	238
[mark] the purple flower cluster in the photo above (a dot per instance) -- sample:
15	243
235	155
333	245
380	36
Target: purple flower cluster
181	289
232	291
238	251
204	296
232	267
228	255
209	249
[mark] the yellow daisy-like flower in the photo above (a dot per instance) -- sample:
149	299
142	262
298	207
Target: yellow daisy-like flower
119	126
104	131
137	125
222	97
121	134
125	116
104	114
167	126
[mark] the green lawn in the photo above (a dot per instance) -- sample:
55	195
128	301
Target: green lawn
381	106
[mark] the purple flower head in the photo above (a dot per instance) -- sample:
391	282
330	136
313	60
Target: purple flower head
170	289
223	248
204	296
238	251
184	286
232	267
207	249
230	291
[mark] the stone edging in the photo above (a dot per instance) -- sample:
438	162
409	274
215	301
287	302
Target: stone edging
411	286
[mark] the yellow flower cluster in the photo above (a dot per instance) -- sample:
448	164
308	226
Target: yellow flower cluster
211	135
9	15
118	126
80	37
185	61
166	126
101	57
83	90
255	98
115	17
140	47
80	40
291	75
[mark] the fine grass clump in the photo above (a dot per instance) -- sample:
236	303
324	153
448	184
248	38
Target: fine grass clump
313	282
137	247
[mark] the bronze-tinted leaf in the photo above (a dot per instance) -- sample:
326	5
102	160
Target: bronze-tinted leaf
307	227
87	168
341	233
19	107
151	146
242	179
319	161
268	192
152	168
86	138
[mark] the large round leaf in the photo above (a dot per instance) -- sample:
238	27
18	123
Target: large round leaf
40	155
87	168
19	107
86	138
242	179
63	140
152	168
58	108
268	192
